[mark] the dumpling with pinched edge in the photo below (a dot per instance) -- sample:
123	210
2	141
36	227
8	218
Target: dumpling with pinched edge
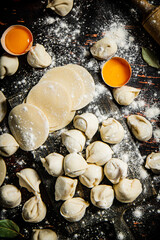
8	65
98	152
125	94
44	234
65	188
3	106
140	127
87	123
127	190
10	196
111	131
8	145
153	162
115	169
61	7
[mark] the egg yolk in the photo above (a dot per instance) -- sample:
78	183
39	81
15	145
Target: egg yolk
18	39
116	72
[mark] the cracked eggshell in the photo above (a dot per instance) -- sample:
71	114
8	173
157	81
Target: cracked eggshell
65	188
87	123
73	210
74	140
74	165
61	7
8	65
29	179
8	145
111	131
115	169
3	106
102	196
98	152
127	190
153	162
44	234
10	196
3	170
34	210
92	176
37	57
53	163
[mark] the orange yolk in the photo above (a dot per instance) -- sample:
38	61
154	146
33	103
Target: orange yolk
18	39
116	72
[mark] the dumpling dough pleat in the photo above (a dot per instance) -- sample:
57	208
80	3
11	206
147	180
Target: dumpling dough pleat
61	7
153	162
8	65
8	145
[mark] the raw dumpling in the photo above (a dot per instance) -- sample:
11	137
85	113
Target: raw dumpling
74	209
28	178
87	123
34	210
8	65
98	152
140	127
111	131
127	190
74	165
2	170
10	196
3	106
153	162
65	188
115	169
29	126
53	163
102	196
44	234
92	176
61	7
104	48
74	140
8	145
125	95
37	57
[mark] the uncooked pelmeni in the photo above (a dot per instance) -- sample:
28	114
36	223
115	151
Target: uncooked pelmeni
8	65
8	145
34	210
87	123
98	152
3	170
111	131
10	196
104	48
153	162
65	188
102	196
74	140
44	234
53	163
29	178
37	57
74	165
74	209
127	190
61	7
125	94
115	169
140	127
3	106
92	176
29	126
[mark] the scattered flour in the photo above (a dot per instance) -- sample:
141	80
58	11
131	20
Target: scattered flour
152	112
156	134
137	212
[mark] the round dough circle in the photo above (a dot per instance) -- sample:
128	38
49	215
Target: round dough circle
29	126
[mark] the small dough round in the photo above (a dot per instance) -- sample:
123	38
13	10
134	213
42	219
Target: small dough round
111	131
52	99
10	196
153	162
140	127
104	48
102	196
3	170
29	126
44	234
37	57
8	65
3	106
125	95
61	7
8	145
127	190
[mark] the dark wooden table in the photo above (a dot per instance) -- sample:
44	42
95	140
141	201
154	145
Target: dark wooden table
91	18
